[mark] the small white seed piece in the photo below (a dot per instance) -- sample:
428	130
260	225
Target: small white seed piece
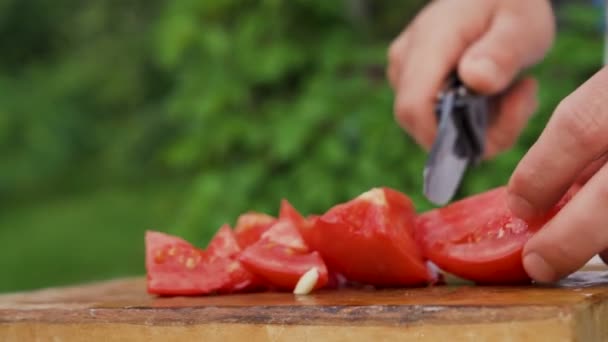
307	282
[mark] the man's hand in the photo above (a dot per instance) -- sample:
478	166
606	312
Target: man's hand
572	148
488	42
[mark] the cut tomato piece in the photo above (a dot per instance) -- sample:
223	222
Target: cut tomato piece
479	239
370	240
281	265
175	267
304	225
224	245
281	257
250	226
284	233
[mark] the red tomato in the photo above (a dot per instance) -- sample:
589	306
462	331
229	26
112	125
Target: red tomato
225	247
284	233
175	267
477	238
304	225
281	257
370	240
224	243
250	226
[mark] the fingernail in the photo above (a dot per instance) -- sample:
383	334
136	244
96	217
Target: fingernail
520	207
539	269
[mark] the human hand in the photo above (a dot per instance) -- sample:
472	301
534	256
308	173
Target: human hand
573	148
488	42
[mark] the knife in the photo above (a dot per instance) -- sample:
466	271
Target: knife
460	143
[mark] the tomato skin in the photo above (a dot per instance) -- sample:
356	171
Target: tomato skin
479	239
370	240
250	226
281	257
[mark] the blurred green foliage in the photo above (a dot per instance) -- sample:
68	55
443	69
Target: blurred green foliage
120	116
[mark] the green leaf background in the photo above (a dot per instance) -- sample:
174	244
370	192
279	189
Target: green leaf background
122	116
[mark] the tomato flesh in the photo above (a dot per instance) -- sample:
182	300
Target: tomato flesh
250	226
281	257
224	246
370	240
479	239
282	266
175	267
304	225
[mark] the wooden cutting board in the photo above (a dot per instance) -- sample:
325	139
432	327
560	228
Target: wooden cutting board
120	310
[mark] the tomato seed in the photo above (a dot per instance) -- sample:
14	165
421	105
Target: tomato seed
190	263
233	266
159	257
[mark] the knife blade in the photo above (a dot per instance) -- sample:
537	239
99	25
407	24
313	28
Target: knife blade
460	142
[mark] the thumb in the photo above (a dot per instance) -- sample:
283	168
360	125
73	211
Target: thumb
512	42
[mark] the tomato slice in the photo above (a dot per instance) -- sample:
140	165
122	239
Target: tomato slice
175	267
281	257
370	240
223	243
284	233
250	226
479	239
304	225
224	247
281	265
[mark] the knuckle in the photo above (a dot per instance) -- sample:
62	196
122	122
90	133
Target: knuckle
526	182
581	126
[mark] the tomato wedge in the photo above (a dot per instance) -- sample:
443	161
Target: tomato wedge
370	240
281	257
250	226
478	238
224	247
175	267
303	225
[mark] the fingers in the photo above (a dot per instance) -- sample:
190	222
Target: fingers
395	59
517	38
435	41
488	41
576	234
591	169
574	137
514	110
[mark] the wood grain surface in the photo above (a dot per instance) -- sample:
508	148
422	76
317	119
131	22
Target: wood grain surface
574	310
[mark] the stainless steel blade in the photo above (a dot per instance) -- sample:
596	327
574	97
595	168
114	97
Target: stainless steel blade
446	164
